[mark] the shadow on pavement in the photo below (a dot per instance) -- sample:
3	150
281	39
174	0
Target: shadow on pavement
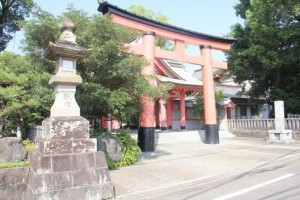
154	155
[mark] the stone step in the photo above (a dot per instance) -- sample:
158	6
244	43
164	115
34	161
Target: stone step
183	136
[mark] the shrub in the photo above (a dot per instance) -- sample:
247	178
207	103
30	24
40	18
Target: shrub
28	145
96	132
110	163
130	151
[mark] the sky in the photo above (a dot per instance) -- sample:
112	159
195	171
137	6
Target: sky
213	17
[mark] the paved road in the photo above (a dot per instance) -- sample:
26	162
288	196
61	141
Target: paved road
182	167
279	180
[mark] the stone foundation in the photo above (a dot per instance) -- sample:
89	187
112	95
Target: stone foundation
66	165
69	176
250	133
260	134
283	136
13	183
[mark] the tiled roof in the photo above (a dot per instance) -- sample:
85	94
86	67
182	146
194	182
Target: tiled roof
182	76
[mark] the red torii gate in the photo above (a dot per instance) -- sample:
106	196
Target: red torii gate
148	49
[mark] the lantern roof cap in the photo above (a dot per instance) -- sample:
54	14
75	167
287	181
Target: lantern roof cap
66	46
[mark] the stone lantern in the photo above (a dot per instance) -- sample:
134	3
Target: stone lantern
65	52
66	165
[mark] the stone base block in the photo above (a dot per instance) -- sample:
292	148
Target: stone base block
146	139
68	177
13	183
211	134
281	136
66	146
61	135
61	128
82	193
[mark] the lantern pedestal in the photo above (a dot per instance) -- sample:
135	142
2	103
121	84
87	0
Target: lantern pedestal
66	164
65	103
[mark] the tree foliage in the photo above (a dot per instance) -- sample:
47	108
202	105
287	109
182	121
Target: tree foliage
266	52
24	95
112	83
11	13
157	16
148	13
198	106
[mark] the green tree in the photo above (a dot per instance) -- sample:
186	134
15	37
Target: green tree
111	76
148	13
11	13
266	52
157	16
198	106
24	95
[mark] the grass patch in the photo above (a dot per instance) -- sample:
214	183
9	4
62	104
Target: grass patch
23	163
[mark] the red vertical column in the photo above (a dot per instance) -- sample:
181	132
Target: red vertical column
157	115
169	113
182	110
211	127
163	115
146	126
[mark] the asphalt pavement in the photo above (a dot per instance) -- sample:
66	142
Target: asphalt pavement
181	159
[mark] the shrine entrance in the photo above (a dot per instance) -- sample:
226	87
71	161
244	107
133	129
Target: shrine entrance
181	37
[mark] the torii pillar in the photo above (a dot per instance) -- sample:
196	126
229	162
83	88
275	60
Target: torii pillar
146	124
182	110
211	127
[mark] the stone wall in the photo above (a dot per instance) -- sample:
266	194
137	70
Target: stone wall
13	183
259	134
250	133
